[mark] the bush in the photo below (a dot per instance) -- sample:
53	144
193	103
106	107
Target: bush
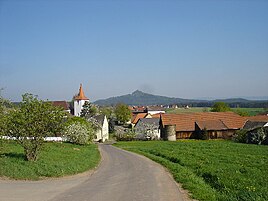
129	136
240	136
78	133
256	136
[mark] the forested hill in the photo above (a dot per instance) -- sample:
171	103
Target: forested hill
141	98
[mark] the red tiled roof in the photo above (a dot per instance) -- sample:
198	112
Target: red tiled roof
81	95
211	125
155	108
62	104
136	117
157	115
186	122
260	118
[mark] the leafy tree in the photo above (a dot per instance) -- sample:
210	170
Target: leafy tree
5	106
32	122
106	111
240	136
88	110
220	107
256	136
122	113
241	113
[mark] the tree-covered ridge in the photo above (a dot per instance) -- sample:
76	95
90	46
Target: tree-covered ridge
141	98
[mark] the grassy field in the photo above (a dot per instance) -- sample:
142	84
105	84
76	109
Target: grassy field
249	111
56	160
212	170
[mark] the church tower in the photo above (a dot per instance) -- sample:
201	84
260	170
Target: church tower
79	101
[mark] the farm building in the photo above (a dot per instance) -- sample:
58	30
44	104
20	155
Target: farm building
183	126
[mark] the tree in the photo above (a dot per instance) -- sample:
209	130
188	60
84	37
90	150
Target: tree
220	107
32	122
87	125
122	113
106	111
88	110
5	107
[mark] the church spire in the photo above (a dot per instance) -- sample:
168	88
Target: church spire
81	95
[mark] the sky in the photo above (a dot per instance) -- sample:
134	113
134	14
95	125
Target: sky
176	48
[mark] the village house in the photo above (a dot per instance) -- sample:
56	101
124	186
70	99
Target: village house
184	126
214	128
102	133
135	117
256	122
63	104
154	110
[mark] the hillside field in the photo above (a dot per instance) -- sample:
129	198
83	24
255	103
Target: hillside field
249	111
211	170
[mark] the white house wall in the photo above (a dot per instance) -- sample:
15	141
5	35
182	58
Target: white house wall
105	130
155	112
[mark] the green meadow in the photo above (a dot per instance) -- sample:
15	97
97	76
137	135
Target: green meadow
55	160
245	111
211	170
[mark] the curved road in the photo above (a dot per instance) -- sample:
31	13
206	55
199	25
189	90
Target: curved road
122	176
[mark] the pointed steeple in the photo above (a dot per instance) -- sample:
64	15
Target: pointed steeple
81	95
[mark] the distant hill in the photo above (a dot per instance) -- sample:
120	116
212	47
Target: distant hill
141	98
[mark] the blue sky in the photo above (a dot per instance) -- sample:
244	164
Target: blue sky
187	49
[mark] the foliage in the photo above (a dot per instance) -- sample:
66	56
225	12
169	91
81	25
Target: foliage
79	130
220	107
256	136
5	107
211	170
106	111
111	125
32	122
128	136
78	133
242	113
55	160
146	131
88	110
240	136
122	113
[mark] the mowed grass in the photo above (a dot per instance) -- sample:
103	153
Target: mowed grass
212	170
249	111
55	160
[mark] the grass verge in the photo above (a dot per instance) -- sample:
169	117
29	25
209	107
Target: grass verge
211	170
55	160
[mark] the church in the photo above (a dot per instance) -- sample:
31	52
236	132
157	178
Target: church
102	133
79	101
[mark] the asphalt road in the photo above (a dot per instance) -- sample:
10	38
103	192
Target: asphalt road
122	176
